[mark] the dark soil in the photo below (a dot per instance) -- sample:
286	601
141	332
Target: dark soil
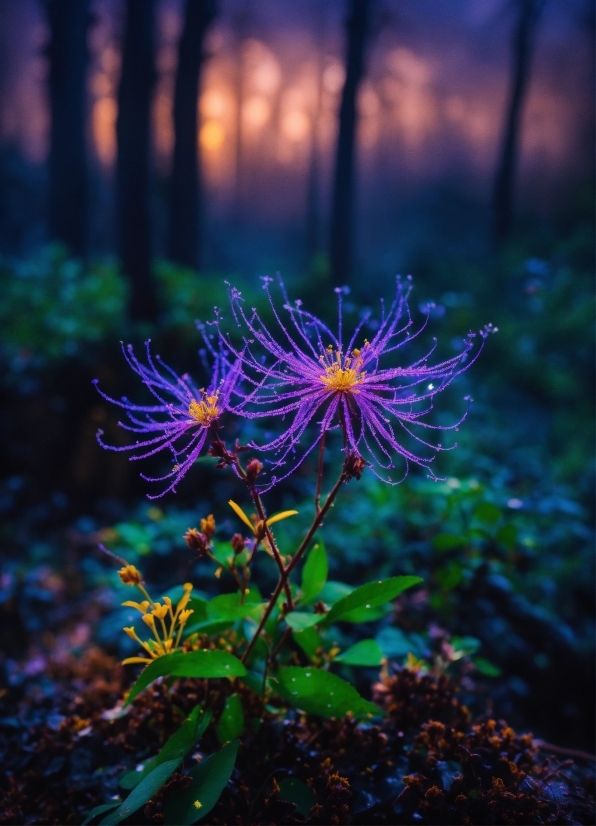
66	743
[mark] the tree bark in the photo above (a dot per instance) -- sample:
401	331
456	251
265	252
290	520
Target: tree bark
313	192
184	237
504	186
133	133
342	204
67	166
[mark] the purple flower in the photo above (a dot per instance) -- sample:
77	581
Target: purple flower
308	374
183	417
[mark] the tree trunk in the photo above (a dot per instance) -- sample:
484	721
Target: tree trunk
133	132
313	192
342	205
184	238
523	42
68	56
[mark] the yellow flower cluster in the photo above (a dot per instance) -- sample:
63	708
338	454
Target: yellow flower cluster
166	622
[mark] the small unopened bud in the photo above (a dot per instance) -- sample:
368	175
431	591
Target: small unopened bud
353	466
253	468
130	575
208	525
238	543
320	608
196	540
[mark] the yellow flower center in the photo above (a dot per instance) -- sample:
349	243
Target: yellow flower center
342	374
204	411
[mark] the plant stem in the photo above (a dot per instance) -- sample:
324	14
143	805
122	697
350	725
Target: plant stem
284	576
274	549
320	474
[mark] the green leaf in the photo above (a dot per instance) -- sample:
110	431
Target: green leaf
178	745
507	535
295	791
299	621
254	681
314	573
209	779
486	667
99	810
320	692
208	627
448	541
309	641
365	652
228	606
394	643
334	591
487	512
370	596
136	536
203	663
142	793
199	606
465	645
231	723
450	576
223	553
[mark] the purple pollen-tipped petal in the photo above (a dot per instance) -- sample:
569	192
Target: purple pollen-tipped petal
184	416
299	368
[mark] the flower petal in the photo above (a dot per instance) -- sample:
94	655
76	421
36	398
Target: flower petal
279	516
240	513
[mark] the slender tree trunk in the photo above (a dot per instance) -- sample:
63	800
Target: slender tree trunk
313	194
240	28
184	238
133	132
342	204
523	43
68	56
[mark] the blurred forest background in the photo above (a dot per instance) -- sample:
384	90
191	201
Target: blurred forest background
152	149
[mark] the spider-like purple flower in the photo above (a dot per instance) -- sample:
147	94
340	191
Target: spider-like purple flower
309	375
184	416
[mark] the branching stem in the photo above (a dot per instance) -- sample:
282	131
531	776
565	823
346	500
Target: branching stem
320	473
287	570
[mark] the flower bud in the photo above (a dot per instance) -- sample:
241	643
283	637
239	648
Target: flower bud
238	543
130	575
253	468
208	526
196	540
353	466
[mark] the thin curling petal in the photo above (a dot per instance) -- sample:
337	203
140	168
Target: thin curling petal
183	416
300	373
240	513
277	517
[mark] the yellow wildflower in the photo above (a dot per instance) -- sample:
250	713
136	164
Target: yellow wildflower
140	606
130	575
208	525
